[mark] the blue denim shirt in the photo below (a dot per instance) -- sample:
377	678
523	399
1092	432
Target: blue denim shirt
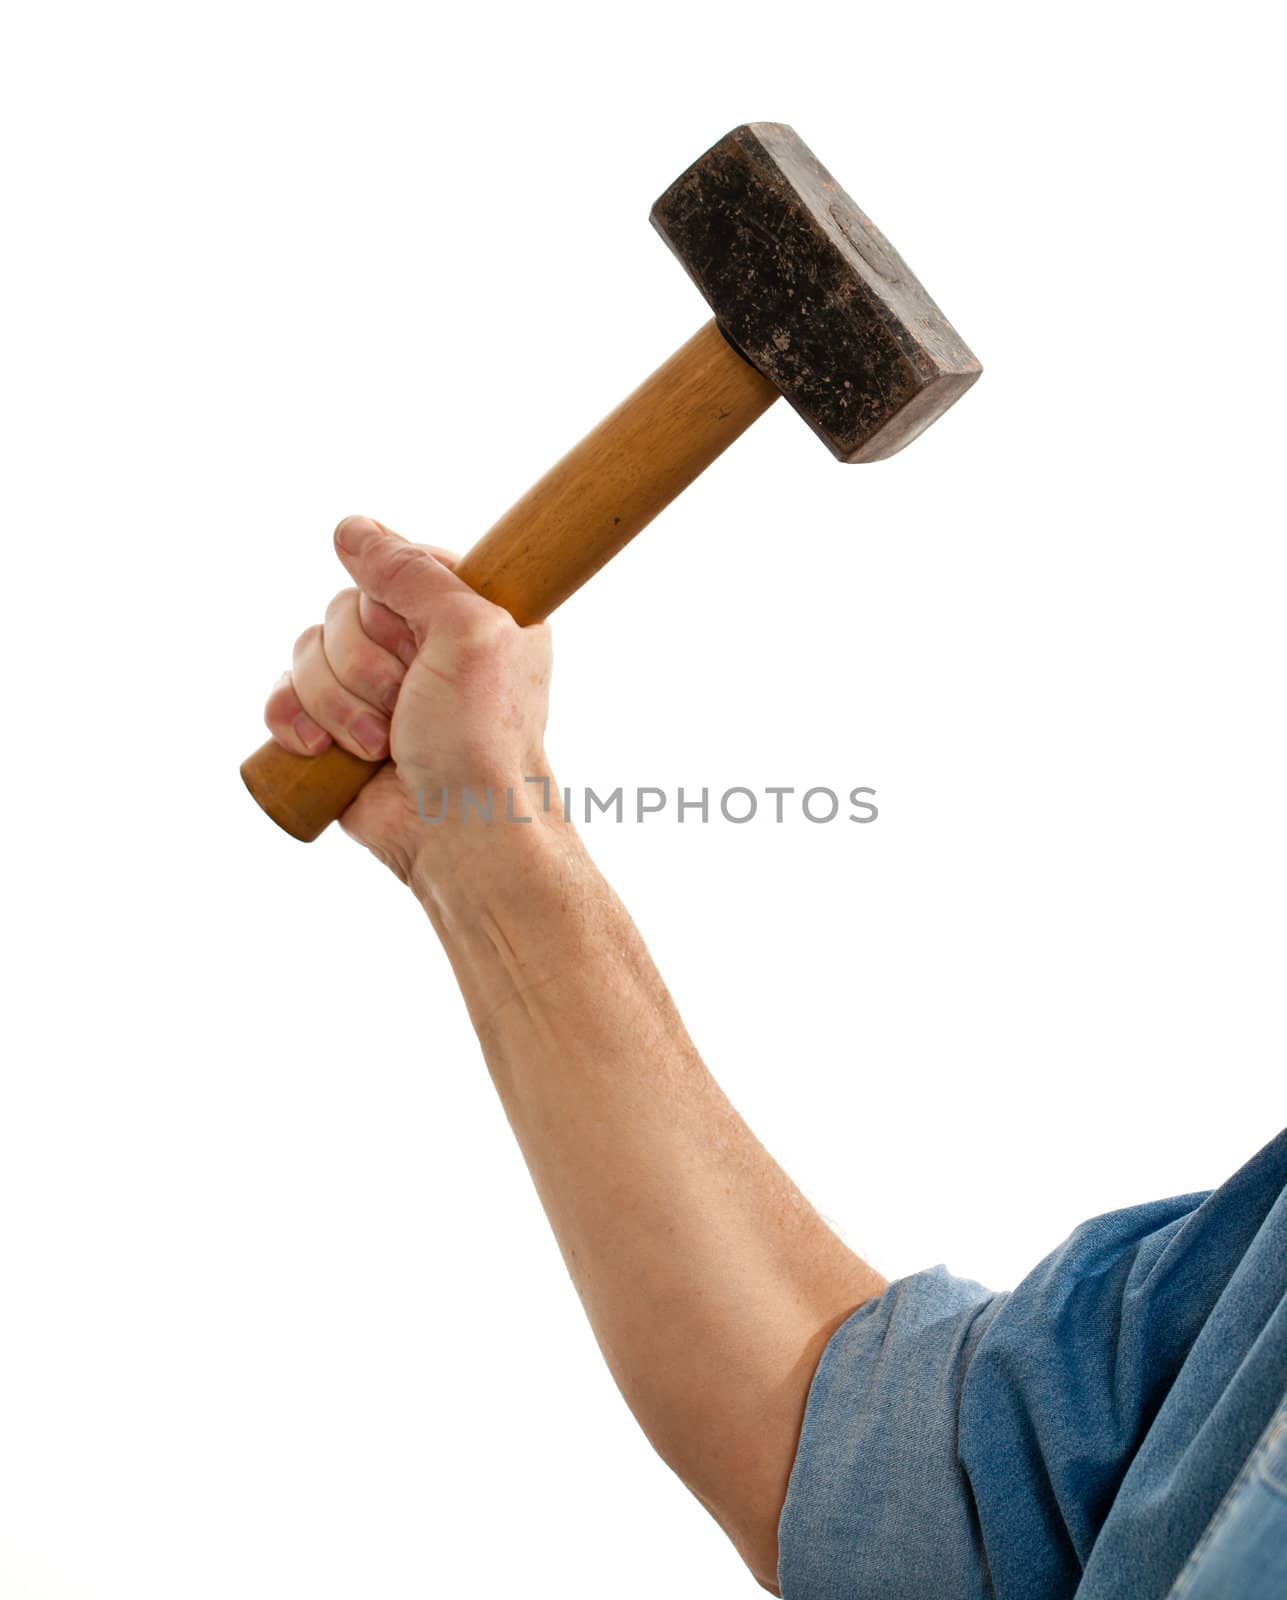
1115	1428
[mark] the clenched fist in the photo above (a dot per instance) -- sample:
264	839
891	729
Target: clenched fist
412	664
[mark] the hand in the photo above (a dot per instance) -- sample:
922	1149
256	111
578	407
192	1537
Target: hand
412	663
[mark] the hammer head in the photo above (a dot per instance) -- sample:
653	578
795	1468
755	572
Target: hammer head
812	293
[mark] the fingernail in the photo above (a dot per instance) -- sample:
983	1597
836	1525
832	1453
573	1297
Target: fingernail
369	733
389	698
353	533
310	735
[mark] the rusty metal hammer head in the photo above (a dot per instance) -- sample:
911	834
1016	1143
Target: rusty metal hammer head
811	292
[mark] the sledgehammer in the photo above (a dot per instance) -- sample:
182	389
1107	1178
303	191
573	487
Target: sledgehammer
811	301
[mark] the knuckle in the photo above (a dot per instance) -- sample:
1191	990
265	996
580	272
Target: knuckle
307	639
333	709
341	604
404	561
365	661
360	666
483	630
281	708
281	700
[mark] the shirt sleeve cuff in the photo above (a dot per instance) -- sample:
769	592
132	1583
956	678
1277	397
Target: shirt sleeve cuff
878	1504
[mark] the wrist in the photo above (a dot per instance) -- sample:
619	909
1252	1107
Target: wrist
489	850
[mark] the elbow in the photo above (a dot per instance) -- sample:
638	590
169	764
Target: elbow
759	1551
768	1584
752	1530
756	1541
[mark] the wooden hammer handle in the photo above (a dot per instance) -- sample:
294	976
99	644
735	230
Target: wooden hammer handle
559	534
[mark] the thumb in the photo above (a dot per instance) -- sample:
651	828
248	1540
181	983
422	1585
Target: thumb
400	575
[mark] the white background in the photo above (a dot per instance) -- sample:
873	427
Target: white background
279	1315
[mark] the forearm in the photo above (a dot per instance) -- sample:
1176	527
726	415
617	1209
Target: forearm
710	1282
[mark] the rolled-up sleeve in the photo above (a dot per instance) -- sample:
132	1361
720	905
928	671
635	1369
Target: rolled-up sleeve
878	1503
968	1445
